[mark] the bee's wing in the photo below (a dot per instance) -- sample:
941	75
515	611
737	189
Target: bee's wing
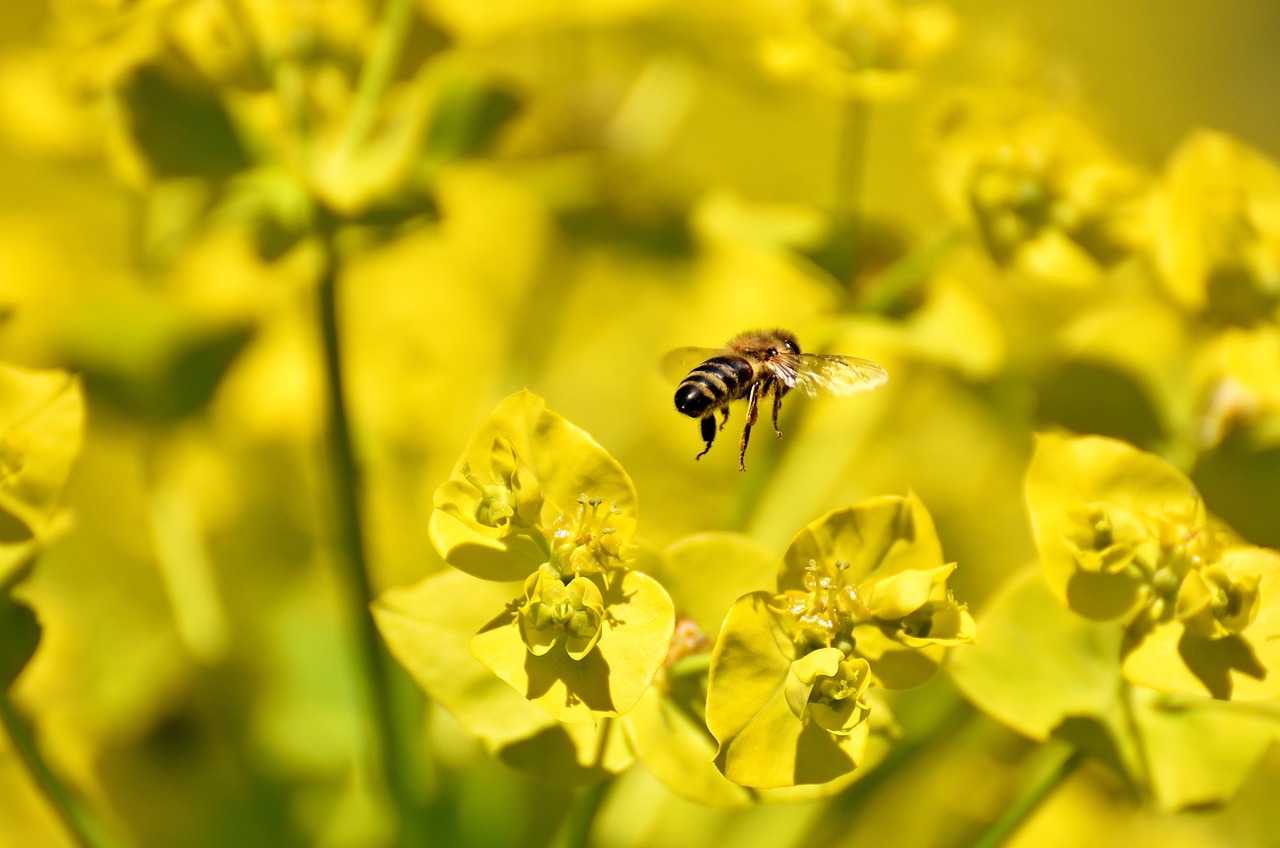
677	364
819	373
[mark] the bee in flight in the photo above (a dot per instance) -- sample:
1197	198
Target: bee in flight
752	365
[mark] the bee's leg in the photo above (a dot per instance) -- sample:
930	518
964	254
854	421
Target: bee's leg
724	416
753	400
777	405
708	433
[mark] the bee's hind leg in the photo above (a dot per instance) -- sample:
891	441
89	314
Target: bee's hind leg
777	406
753	401
708	433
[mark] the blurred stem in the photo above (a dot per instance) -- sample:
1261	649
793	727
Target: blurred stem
901	278
851	159
376	74
81	826
575	832
834	821
1142	781
1044	782
376	664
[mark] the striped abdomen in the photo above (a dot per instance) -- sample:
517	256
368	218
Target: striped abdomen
713	384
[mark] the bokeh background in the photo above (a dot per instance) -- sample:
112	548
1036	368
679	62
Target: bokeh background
551	195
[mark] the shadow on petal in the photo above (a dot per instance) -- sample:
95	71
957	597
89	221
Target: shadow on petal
1102	597
1213	660
820	757
586	681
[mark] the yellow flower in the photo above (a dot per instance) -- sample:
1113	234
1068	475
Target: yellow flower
1124	537
1045	194
1215	225
869	49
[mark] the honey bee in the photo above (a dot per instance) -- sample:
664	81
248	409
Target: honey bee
752	365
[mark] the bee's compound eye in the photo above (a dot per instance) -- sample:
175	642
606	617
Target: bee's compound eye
773	351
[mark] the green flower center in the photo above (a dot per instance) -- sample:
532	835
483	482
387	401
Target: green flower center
496	506
556	612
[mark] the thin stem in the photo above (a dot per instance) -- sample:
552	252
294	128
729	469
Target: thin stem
348	527
844	808
1041	788
376	74
1142	775
576	831
907	274
80	824
851	158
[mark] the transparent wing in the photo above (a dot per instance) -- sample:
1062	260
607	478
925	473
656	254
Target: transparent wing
819	373
677	364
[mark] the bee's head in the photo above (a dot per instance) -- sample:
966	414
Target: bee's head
787	341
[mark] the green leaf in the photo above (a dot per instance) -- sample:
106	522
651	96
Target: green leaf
19	636
707	572
1046	672
429	628
1038	663
607	681
468	115
1201	752
179	126
148	359
677	749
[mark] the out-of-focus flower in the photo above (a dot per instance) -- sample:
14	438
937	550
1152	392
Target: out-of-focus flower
41	419
869	49
1124	537
1242	386
1044	193
1215	229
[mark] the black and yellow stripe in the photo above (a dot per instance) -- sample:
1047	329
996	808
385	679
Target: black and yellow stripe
713	384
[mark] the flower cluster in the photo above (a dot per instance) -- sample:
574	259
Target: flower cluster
862	602
581	634
1042	190
547	596
1125	537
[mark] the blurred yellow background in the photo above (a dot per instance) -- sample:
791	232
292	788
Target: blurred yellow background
551	195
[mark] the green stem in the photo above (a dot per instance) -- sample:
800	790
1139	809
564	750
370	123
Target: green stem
1138	766
833	823
1045	782
851	158
376	663
81	826
892	285
576	830
376	74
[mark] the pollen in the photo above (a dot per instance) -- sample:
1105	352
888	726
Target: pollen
584	541
826	611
